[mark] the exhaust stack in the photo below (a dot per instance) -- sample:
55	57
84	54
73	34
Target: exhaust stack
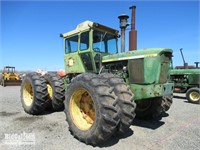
197	64
123	24
133	32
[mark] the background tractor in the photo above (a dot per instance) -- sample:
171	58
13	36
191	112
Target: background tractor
9	77
103	86
187	80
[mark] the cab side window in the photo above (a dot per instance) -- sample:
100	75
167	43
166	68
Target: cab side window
84	42
71	44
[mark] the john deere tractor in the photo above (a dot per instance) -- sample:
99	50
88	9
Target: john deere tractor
187	80
103	86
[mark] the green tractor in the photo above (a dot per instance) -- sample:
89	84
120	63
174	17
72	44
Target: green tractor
103	86
187	80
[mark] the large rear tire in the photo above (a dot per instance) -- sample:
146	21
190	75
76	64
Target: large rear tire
193	95
56	90
125	104
34	95
90	108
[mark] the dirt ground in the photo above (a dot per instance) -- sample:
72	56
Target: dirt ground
178	130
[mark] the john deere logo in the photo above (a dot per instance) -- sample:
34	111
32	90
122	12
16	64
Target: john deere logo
71	62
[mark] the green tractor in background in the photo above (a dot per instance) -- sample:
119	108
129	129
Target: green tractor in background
187	80
103	86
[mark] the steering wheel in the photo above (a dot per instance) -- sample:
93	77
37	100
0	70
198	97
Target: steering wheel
96	49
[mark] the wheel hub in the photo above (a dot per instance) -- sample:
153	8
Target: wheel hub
28	94
195	96
82	109
50	91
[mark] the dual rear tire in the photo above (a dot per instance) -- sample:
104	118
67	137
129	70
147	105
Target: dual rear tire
39	93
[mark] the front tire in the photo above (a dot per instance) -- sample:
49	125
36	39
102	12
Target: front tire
193	95
90	108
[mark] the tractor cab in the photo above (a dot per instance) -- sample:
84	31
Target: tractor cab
9	69
86	45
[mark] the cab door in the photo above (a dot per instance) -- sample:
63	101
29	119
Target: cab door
73	62
85	52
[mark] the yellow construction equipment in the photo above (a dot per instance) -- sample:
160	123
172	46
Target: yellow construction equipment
9	77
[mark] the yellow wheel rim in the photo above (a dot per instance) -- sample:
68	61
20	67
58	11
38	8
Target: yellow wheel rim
194	96
82	109
50	91
28	94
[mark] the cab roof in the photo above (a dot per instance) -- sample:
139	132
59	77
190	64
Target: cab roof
87	25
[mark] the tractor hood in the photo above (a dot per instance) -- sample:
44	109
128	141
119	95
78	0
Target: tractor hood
150	52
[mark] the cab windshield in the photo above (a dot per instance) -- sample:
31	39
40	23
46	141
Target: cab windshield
104	42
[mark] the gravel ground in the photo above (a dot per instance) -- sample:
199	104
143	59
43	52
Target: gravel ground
178	130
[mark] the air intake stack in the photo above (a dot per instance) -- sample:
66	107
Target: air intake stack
123	24
133	32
